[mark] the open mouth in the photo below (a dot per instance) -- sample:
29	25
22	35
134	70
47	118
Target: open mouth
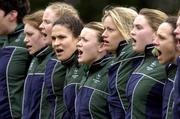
156	52
58	51
80	52
28	46
105	42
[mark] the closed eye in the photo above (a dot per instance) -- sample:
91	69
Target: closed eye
161	37
83	39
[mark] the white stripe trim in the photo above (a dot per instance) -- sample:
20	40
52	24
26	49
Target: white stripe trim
90	105
71	84
53	88
7	83
150	77
24	96
32	74
126	59
56	60
171	80
15	47
42	51
40	111
169	100
133	95
55	108
119	95
96	90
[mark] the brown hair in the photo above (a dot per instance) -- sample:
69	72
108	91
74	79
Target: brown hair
154	17
63	9
34	19
98	27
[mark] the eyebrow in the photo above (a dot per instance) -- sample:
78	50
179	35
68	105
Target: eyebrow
82	38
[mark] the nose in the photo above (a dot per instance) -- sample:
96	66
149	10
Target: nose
104	34
79	44
55	42
25	39
132	33
41	26
176	31
156	41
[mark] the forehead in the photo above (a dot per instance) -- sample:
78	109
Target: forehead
29	27
108	21
165	28
49	14
140	19
88	32
60	29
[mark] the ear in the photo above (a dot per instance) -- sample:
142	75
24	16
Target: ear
13	15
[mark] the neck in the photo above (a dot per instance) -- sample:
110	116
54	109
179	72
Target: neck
12	27
100	56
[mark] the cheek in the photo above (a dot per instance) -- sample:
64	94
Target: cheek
33	39
48	29
69	48
115	36
141	37
167	50
90	49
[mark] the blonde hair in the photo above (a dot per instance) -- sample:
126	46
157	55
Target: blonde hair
34	19
154	17
63	9
123	19
98	26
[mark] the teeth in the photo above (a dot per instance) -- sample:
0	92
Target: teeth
80	52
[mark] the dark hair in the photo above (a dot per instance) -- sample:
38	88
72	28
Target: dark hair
21	6
72	23
172	21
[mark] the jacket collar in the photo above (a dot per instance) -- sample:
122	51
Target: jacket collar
121	45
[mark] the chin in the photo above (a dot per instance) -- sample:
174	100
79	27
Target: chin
163	61
80	62
31	52
59	58
135	49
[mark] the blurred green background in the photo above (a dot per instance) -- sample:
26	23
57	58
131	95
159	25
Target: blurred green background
90	10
